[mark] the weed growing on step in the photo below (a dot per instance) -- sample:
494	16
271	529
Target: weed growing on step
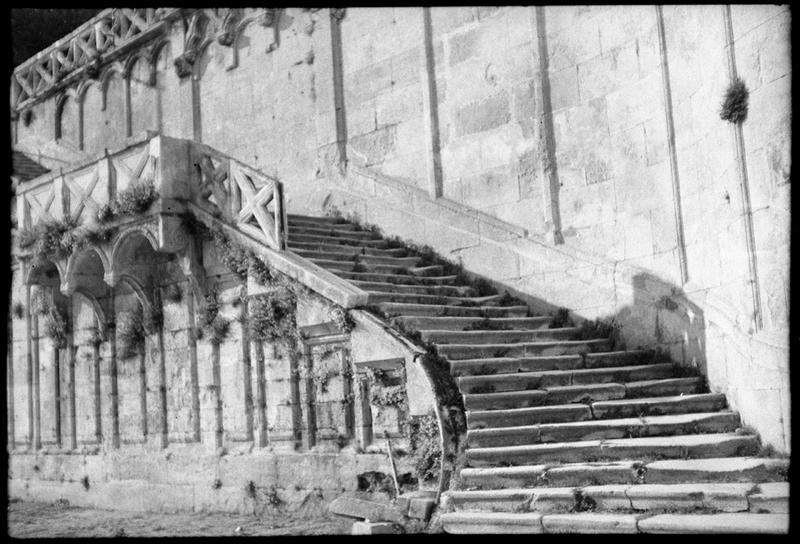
561	319
590	329
508	300
482	389
486	324
734	105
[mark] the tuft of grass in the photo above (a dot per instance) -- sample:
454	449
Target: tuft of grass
212	325
508	300
561	319
735	103
426	451
136	199
486	324
173	293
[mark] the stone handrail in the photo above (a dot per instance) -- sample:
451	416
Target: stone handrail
242	194
84	49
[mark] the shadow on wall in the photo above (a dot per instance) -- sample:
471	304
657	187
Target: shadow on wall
659	316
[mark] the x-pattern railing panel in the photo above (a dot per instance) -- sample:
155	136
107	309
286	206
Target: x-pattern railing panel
241	194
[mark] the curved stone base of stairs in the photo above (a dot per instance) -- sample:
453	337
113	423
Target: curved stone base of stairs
535	522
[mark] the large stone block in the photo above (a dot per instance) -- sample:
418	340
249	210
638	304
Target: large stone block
484	115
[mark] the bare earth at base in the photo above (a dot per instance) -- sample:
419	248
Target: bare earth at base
41	520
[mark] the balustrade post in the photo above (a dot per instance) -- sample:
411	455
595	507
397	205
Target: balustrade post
280	216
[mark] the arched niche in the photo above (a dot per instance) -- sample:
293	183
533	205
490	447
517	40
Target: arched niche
85	273
68	122
168	104
93	122
142	97
114	129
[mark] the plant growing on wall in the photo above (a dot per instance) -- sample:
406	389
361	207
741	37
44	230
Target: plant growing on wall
272	316
131	332
343	319
734	105
55	327
49	240
213	325
385	389
134	200
18	310
426	448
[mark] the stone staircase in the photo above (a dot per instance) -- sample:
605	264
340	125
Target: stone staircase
564	433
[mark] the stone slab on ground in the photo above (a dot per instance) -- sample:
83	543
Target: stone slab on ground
716	523
360	508
590	523
371	528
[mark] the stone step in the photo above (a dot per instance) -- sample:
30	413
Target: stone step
314	219
481	419
376	297
514	381
669	387
386	287
499	337
716	523
294	237
399	308
348	250
400	279
470	523
522	349
460	323
670	447
478	398
497	365
654	406
619	523
672	471
721	497
715	422
348	266
770	498
400	262
621	358
315	223
334	230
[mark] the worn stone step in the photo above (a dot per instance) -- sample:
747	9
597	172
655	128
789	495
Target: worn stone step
335	230
591	523
724	523
386	287
502	365
654	406
317	224
668	387
400	279
326	219
514	381
522	349
480	419
347	249
400	262
401	308
672	447
584	393
507	399
294	237
725	497
672	471
376	297
715	422
770	498
461	323
499	337
728	469
349	266
470	523
608	359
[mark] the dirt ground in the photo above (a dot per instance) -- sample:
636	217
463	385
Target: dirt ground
40	520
